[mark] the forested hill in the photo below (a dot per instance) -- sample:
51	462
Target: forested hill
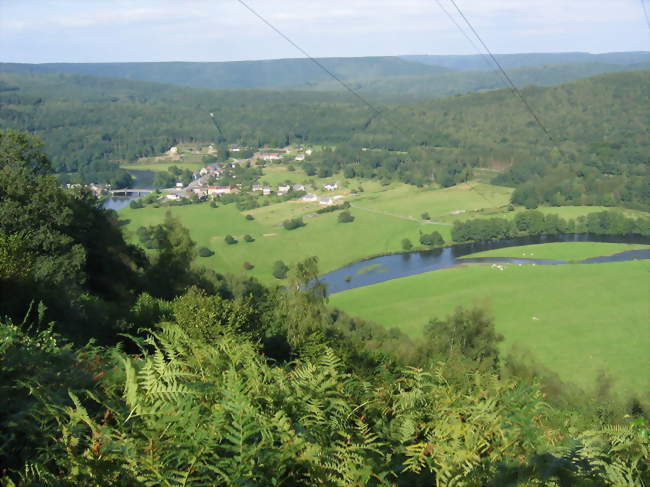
508	61
422	76
600	124
449	83
272	74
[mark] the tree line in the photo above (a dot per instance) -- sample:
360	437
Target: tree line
533	222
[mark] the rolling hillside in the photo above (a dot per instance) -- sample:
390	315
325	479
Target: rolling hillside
478	62
274	74
419	76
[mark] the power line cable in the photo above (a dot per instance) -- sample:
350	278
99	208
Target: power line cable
375	110
513	87
465	34
645	11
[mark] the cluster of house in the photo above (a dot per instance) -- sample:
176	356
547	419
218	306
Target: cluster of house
279	154
281	190
312	198
321	200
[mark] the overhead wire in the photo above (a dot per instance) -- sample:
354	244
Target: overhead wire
374	109
511	84
645	11
465	34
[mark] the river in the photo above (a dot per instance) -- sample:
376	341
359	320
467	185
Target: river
387	267
142	180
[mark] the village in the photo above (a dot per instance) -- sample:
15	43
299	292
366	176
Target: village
205	181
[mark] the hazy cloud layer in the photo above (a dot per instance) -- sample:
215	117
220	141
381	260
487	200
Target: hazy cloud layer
222	30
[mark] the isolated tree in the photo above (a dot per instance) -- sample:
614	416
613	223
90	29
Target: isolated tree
230	240
280	269
345	217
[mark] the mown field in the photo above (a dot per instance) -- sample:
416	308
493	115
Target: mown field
384	216
576	319
374	230
571	251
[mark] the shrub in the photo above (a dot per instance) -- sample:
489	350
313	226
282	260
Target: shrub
213	204
432	239
425	216
280	269
293	223
406	244
248	266
248	238
250	217
205	252
136	204
345	217
230	240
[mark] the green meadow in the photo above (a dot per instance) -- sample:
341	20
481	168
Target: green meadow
335	244
572	251
384	216
576	319
162	166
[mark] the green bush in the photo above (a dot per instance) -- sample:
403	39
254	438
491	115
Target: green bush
280	269
293	223
345	217
230	240
205	252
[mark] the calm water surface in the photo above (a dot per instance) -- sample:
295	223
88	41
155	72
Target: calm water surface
384	268
142	180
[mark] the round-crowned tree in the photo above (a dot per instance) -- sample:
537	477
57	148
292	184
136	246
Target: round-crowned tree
205	252
280	269
345	217
230	240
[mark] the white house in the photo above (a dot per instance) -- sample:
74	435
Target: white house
309	197
298	187
309	152
266	190
218	190
268	156
173	150
179	185
283	189
300	157
326	201
331	186
173	196
257	187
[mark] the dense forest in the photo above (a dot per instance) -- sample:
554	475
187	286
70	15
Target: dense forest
368	73
598	154
125	368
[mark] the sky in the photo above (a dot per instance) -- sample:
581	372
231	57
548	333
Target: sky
37	31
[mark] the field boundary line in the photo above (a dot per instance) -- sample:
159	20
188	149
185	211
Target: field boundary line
394	215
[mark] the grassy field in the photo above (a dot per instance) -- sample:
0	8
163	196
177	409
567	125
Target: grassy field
384	215
334	243
162	166
439	203
573	251
566	212
576	319
374	230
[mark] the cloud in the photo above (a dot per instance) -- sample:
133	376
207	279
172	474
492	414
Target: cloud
193	29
